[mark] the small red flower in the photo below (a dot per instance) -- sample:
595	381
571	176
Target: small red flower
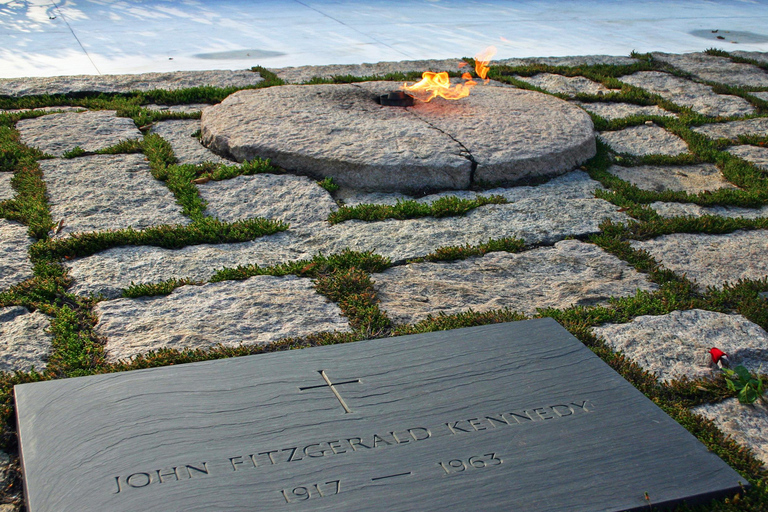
717	354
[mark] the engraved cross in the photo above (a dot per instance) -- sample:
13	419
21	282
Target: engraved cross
333	388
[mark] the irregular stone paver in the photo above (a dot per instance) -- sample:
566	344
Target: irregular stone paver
701	98
610	111
106	192
297	75
694	210
15	265
578	60
758	56
763	95
570	85
186	109
24	342
56	134
570	273
188	149
6	190
716	69
340	131
688	178
754	154
746	424
256	311
677	345
712	260
645	140
127	83
43	109
732	130
294	199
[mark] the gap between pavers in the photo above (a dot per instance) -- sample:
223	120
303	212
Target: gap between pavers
712	260
567	274
186	148
92	130
256	311
24	340
15	265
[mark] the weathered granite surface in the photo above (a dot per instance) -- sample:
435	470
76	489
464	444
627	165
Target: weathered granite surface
612	111
187	148
56	134
732	129
6	190
24	342
62	108
570	85
569	273
763	95
15	265
712	260
297	75
716	69
258	310
688	178
294	199
127	83
340	131
186	109
578	60
701	98
746	424
103	192
645	140
754	154
677	345
694	210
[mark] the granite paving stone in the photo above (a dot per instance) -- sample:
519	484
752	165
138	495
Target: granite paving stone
566	274
732	130
645	140
297	200
611	110
570	85
754	154
24	340
301	74
746	424
677	344
694	210
716	69
192	108
186	148
712	260
127	83
763	95
259	310
62	108
699	97
56	134
108	192
15	265
570	61
685	178
6	190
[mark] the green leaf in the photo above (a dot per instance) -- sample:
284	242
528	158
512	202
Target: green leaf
743	374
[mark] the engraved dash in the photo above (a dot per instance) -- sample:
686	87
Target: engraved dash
390	476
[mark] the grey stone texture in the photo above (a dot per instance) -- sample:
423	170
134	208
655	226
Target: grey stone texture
186	148
6	190
56	134
192	108
746	424
127	83
694	210
610	110
754	154
732	130
712	260
578	60
645	140
107	192
24	342
758	56
340	131
570	85
62	108
763	95
296	200
699	97
686	178
677	344
716	69
15	265
567	274
259	310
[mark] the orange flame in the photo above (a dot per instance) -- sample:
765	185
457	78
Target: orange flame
433	85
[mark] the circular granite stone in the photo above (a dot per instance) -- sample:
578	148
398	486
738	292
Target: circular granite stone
496	135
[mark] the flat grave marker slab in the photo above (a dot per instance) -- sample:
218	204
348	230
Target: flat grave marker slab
517	416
